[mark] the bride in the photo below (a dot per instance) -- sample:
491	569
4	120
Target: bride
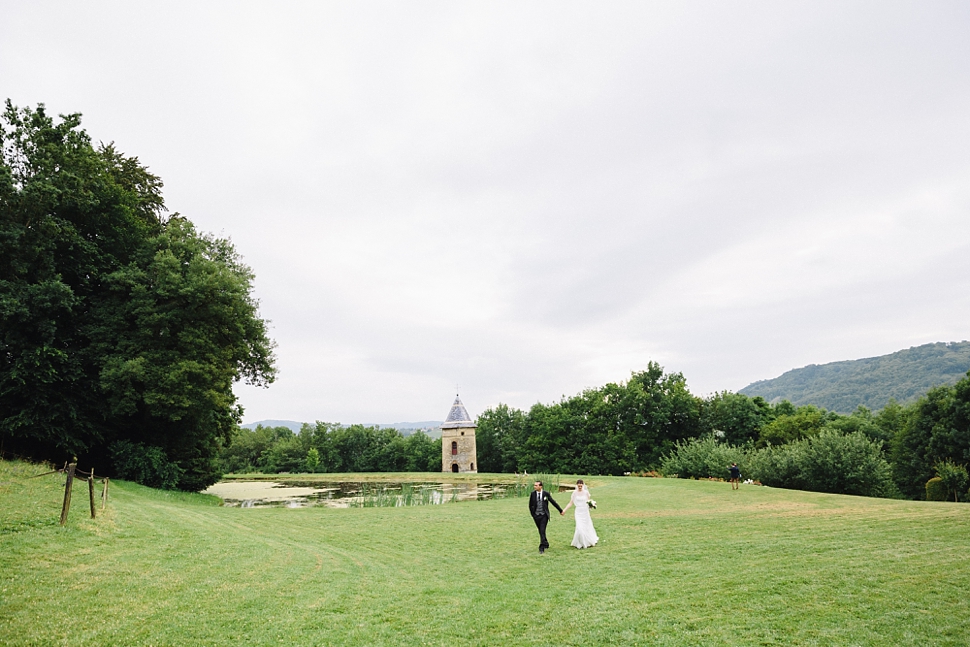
585	534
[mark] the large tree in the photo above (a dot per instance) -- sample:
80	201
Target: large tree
117	323
735	418
499	433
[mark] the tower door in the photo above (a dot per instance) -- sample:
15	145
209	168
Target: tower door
454	467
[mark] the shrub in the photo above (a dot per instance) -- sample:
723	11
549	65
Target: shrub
846	464
702	458
935	490
778	466
144	464
829	462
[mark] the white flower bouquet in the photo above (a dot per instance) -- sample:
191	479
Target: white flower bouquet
592	504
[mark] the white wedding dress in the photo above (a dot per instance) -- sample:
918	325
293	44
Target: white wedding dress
585	534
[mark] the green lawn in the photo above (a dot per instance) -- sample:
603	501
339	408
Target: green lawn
679	563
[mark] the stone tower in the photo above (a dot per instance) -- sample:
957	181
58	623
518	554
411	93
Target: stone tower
458	451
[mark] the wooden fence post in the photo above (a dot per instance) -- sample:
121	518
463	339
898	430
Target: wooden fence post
67	492
104	494
91	491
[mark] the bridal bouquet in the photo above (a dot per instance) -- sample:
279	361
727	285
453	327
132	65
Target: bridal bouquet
592	504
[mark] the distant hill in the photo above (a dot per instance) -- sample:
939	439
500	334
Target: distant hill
401	426
429	427
292	424
843	386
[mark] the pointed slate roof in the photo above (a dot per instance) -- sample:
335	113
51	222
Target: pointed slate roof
458	417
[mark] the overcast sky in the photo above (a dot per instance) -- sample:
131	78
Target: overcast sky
527	199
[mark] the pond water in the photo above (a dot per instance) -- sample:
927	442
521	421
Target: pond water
346	494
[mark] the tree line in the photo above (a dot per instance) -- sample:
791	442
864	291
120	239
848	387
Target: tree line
653	423
329	448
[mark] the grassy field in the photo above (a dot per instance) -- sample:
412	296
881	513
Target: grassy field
679	563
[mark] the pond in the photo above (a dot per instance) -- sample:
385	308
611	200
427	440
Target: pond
361	494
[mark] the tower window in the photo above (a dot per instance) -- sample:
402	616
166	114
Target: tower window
454	448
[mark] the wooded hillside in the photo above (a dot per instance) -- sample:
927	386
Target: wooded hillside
842	386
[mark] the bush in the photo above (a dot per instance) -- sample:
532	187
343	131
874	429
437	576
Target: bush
935	490
846	464
702	458
144	464
829	462
778	466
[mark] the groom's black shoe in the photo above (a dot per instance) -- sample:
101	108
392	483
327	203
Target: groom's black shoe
542	550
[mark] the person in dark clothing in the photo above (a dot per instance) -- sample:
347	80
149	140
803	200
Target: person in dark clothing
539	502
735	476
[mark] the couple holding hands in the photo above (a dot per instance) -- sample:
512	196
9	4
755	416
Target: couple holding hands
539	502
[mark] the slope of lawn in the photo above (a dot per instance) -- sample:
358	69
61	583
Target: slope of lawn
679	563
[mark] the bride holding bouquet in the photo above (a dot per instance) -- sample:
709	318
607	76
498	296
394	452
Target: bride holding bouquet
582	500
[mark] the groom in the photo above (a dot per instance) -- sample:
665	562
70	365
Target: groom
539	502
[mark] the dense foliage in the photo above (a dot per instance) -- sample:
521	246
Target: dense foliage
144	464
117	324
326	447
871	382
936	429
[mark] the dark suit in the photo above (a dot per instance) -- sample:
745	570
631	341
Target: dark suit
541	518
